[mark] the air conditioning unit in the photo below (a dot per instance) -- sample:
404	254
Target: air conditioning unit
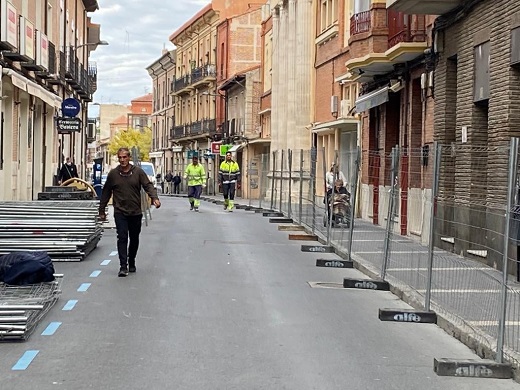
346	106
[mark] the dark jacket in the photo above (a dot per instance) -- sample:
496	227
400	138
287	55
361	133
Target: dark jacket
177	179
125	190
68	171
168	177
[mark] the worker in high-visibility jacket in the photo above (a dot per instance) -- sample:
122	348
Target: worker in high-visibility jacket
229	179
196	176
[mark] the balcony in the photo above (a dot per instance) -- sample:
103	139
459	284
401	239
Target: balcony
381	39
423	7
58	76
182	85
179	131
203	75
360	23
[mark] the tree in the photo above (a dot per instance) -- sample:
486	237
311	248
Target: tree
141	139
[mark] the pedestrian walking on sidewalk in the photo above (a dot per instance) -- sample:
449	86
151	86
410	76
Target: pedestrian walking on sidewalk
168	178
124	185
196	176
176	183
229	179
67	171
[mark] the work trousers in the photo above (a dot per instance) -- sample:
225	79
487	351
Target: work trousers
128	228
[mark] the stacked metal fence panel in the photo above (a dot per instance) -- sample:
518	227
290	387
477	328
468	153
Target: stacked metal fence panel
23	307
66	230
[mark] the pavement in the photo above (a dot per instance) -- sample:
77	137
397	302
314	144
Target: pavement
466	294
224	301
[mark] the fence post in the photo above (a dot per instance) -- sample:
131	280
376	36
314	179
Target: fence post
261	180
513	161
314	155
353	199
289	197
281	180
328	216
389	221
437	149
273	180
300	205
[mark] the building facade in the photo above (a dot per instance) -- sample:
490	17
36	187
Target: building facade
45	48
387	59
162	73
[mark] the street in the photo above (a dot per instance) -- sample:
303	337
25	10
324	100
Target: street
224	301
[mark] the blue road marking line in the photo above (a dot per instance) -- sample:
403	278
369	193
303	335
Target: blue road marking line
105	262
51	329
84	287
70	304
25	360
113	253
95	274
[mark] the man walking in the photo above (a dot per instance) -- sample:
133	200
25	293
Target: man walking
67	171
168	178
229	177
124	185
196	179
176	182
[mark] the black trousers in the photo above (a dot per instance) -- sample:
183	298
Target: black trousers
128	228
229	190
175	188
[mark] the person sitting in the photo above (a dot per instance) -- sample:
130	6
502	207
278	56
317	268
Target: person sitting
338	203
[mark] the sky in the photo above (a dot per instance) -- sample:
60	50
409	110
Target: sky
137	31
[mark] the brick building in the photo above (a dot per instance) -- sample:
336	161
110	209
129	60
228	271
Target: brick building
387	50
162	72
477	94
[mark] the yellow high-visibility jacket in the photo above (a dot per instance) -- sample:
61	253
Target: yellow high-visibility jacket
229	172
195	174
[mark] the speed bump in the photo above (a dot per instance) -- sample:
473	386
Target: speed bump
317	248
303	237
408	316
366	284
334	263
472	368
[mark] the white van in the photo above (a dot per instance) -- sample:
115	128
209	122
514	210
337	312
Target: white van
149	169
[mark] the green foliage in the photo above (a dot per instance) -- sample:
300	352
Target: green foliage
141	139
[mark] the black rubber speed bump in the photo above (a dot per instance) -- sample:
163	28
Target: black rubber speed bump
280	220
272	214
317	248
409	316
366	284
334	263
472	368
240	206
261	211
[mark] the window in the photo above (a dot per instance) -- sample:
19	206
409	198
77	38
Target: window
515	46
481	80
329	13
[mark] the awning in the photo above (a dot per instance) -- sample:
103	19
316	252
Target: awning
32	88
372	99
155	154
236	148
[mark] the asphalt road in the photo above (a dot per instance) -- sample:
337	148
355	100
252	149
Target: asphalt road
224	301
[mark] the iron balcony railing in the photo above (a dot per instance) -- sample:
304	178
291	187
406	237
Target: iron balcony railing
179	131
52	58
202	72
360	23
182	82
92	76
63	65
405	28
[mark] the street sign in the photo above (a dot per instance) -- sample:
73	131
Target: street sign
192	153
70	107
68	125
224	149
215	147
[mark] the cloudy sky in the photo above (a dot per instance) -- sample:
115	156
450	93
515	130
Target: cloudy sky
137	31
